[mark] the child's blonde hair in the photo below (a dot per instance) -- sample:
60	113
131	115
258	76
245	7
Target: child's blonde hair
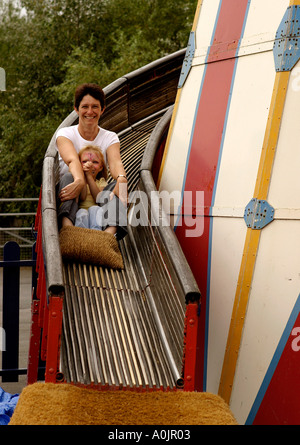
103	173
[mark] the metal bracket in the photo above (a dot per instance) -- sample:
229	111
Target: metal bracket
287	42
258	214
188	59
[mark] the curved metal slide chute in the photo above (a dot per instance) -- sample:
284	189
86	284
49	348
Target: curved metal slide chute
121	328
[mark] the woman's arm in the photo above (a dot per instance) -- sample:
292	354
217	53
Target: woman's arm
116	169
70	157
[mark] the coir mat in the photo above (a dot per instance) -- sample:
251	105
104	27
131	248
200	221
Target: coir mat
66	404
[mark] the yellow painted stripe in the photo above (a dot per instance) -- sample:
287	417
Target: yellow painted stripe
197	14
238	313
174	114
194	27
271	135
253	236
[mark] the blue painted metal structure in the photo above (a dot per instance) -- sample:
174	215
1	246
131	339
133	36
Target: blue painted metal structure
188	59
287	45
258	214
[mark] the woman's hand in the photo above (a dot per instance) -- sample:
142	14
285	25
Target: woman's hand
121	191
72	190
70	157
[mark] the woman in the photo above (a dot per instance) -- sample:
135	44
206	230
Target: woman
90	105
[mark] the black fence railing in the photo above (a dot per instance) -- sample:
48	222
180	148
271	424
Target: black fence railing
16	224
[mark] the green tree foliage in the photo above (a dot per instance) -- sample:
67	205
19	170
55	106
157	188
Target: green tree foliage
48	47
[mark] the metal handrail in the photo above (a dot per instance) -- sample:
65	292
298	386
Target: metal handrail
171	243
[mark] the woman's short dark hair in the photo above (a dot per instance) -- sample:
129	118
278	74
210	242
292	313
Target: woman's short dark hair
93	90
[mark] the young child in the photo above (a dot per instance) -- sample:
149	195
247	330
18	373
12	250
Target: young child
89	214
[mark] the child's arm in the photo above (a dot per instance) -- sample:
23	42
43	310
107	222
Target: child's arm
83	193
94	188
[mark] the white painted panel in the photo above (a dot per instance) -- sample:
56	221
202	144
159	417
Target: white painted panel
285	182
226	254
246	125
206	25
264	17
274	292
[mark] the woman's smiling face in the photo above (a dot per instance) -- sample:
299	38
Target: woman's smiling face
89	110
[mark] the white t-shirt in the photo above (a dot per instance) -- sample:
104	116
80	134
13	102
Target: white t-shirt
104	139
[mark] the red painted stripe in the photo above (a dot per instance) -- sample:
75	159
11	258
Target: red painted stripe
228	31
205	147
280	405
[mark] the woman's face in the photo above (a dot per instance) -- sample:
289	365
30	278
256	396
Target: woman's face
91	162
89	110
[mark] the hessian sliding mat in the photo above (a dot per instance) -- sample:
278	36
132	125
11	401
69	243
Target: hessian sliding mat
65	404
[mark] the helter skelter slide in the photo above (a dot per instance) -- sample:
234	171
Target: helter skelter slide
123	327
233	135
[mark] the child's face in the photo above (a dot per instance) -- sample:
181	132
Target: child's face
91	162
